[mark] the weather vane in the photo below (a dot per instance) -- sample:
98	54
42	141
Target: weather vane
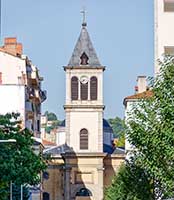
84	16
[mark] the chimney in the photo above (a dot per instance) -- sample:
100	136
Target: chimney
12	46
142	84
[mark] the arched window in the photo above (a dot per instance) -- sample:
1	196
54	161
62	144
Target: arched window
84	192
84	91
74	88
93	88
84	59
84	139
46	196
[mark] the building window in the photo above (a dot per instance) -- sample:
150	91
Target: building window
46	196
46	175
84	192
168	5
38	125
74	88
84	91
169	50
93	88
84	59
84	139
0	77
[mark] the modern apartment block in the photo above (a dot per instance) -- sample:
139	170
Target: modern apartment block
20	85
164	29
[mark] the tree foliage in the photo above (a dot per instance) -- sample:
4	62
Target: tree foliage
151	131
18	162
55	122
131	183
51	116
118	126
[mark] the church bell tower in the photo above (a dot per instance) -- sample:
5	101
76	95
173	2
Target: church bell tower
84	97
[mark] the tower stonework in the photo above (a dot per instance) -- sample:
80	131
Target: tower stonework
84	97
85	164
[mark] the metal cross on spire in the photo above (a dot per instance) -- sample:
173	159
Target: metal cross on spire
84	17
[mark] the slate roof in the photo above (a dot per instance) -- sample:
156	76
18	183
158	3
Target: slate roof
119	151
108	149
58	149
84	45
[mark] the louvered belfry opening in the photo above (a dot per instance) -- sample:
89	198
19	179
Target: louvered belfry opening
84	91
93	88
84	59
74	88
84	139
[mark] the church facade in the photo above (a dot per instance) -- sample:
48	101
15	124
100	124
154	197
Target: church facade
83	166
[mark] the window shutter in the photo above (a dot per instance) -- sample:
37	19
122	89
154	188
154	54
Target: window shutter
74	88
84	91
84	139
93	88
168	5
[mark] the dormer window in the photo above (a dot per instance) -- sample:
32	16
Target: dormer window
84	59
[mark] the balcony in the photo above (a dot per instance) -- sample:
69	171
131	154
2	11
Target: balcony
31	92
28	106
43	95
37	95
32	74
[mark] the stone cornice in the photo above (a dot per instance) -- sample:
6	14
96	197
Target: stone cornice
84	155
84	106
84	67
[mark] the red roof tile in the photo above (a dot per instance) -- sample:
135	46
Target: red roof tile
47	143
142	95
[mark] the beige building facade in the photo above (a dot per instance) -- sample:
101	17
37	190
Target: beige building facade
85	164
163	30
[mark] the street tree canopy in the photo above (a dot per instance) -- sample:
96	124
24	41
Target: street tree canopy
131	183
150	128
18	162
151	131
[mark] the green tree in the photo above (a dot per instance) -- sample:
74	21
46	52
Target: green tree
18	162
51	116
118	126
131	183
151	131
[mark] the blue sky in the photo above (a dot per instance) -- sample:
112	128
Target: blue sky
121	32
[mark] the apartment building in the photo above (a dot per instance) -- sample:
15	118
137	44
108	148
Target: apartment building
164	29
20	85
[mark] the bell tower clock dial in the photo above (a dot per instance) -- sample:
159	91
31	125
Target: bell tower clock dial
84	97
84	79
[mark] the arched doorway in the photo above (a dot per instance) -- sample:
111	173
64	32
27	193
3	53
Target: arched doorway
84	194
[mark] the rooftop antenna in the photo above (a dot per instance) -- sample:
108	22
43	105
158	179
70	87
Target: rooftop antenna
84	17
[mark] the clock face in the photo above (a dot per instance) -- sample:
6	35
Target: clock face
84	79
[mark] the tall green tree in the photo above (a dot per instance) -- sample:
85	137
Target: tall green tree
131	183
151	131
18	162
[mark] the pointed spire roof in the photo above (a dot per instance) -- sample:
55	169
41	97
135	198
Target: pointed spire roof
84	45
